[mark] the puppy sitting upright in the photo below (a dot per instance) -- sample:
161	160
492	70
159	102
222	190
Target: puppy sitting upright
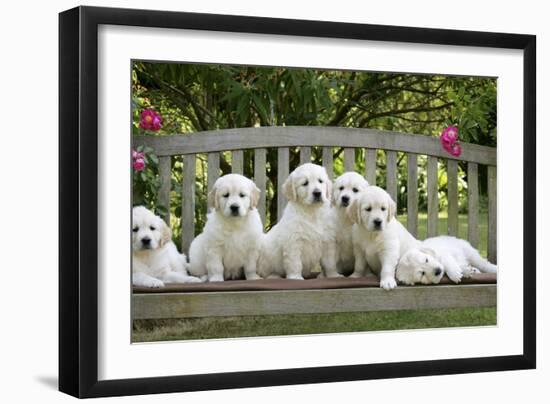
293	247
155	258
229	245
338	259
379	240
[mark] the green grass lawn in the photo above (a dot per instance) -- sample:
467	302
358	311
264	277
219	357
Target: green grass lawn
249	326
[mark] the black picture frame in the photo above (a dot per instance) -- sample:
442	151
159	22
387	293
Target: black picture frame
78	200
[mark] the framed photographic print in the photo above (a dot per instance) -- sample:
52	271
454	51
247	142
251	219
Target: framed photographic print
251	201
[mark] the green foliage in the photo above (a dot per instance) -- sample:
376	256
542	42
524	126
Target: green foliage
198	97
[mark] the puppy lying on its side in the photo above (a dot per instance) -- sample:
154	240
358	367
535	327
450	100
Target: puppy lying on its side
229	245
441	255
155	258
379	240
293	248
338	258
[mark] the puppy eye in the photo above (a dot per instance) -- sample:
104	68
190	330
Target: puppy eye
341	188
422	273
153	228
305	184
135	229
426	260
241	195
226	195
320	180
368	209
355	190
383	208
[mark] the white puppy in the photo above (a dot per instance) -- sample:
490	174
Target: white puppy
339	259
441	255
229	245
293	247
155	258
379	240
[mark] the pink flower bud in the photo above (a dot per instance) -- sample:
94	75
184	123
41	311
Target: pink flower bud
449	141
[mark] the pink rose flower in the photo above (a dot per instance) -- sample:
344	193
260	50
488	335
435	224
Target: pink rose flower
150	120
137	155
139	164
449	141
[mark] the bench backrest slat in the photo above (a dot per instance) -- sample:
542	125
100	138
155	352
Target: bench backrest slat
473	204
292	136
452	198
237	162
492	214
328	161
412	193
260	179
165	177
433	200
188	201
349	159
391	174
213	170
282	174
370	166
305	154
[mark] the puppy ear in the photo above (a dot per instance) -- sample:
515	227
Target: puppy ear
288	189
392	208
404	272
165	233
254	195
428	251
212	199
354	211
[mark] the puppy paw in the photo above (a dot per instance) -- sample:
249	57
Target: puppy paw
356	275
253	277
216	278
388	283
455	276
193	279
153	283
299	277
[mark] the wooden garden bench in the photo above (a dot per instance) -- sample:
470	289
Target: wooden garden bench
320	295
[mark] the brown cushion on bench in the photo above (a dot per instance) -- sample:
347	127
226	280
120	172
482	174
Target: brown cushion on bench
289	284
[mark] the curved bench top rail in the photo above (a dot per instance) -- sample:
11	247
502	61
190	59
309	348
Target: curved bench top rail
289	136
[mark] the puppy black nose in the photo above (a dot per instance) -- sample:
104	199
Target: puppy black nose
234	208
145	241
317	194
377	222
438	271
345	200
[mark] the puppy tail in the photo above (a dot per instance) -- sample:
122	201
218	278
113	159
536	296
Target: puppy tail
477	261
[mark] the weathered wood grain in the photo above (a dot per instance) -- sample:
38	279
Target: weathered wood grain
349	159
260	179
289	136
473	204
213	171
305	154
370	166
391	174
165	177
188	202
433	199
213	304
412	193
452	198
282	174
237	161
328	161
